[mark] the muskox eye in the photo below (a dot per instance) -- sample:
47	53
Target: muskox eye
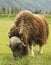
17	48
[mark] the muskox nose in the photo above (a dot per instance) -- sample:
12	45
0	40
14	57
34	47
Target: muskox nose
14	55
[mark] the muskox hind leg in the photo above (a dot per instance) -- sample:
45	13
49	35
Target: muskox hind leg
40	50
31	50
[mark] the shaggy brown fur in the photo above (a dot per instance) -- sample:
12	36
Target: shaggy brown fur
30	27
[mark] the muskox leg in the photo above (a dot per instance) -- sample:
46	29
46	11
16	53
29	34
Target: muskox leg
31	50
40	50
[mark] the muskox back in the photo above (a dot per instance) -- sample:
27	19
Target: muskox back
32	27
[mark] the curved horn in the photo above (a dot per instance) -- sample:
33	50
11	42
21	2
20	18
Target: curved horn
24	44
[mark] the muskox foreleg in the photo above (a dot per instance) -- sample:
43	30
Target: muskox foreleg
40	50
31	50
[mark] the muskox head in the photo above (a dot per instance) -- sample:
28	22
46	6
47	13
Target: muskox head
17	46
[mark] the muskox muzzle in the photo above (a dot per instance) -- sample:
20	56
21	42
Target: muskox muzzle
17	46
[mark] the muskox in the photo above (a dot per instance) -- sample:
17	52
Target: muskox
30	29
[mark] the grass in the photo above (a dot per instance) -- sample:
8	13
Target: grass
6	57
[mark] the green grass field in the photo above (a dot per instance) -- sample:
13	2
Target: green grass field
6	57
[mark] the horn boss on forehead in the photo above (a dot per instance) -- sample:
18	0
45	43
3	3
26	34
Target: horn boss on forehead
14	40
